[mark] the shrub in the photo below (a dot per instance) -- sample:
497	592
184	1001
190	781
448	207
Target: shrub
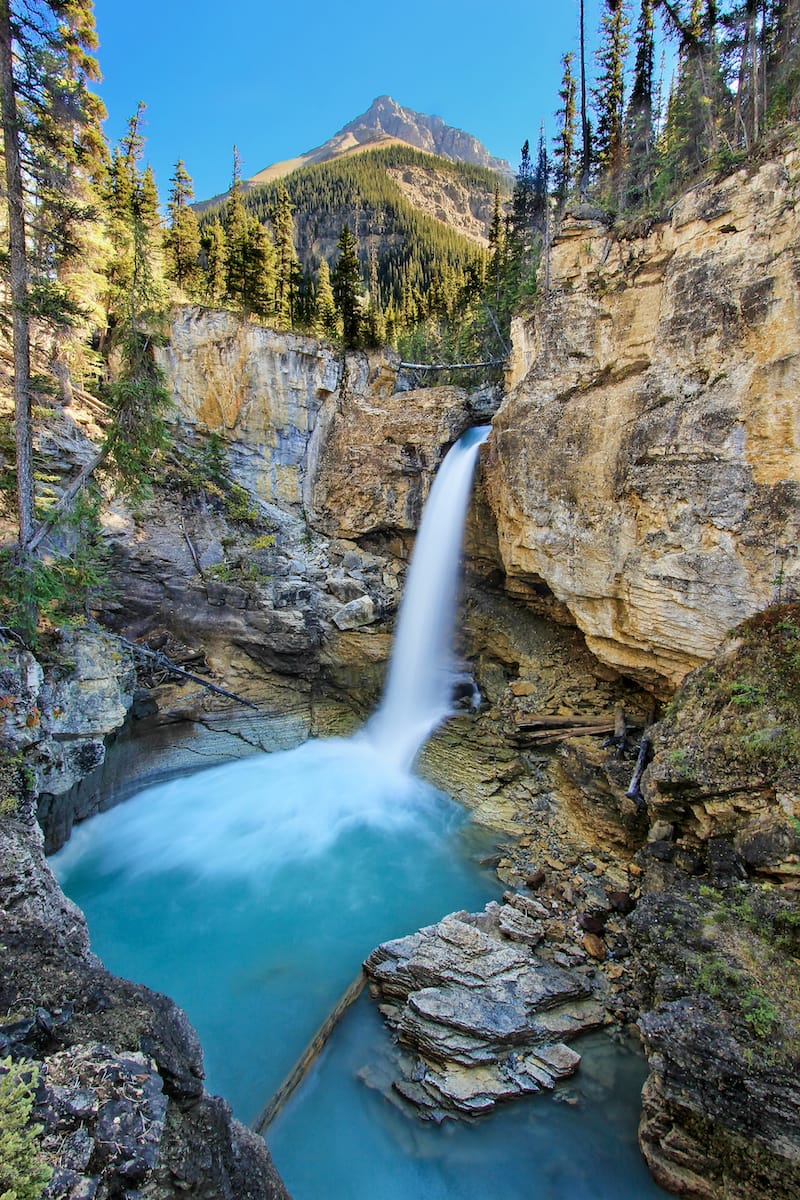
23	1170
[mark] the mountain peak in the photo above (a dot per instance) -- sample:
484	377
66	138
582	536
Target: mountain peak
386	122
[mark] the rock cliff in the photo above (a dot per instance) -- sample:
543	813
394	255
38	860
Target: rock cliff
645	462
715	933
120	1099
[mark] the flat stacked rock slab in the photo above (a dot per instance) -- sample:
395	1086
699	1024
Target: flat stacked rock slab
480	1017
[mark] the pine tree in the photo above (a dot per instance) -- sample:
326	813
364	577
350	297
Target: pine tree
258	279
136	271
374	325
326	320
563	169
237	233
495	275
286	261
609	93
639	116
347	288
586	140
182	240
50	136
137	303
698	99
213	259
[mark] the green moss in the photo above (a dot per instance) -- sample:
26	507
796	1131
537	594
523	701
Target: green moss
16	782
23	1170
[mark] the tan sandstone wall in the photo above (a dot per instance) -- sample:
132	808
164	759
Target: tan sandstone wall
645	464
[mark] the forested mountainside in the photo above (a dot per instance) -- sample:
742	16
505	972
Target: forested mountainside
418	220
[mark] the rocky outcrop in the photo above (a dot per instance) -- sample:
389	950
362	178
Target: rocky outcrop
54	721
714	936
644	465
120	1098
482	1015
383	124
258	389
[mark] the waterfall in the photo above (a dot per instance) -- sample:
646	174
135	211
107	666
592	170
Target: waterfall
418	691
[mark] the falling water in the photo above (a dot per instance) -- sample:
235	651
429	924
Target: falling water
419	688
250	892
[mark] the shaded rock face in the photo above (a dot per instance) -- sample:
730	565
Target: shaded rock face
55	721
380	455
714	937
645	464
121	1096
133	1053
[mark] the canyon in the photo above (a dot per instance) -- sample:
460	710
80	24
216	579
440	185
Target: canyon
637	499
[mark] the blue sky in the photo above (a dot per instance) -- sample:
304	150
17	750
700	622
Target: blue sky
279	79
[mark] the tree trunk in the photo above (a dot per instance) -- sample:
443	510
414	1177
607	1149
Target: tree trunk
586	150
18	282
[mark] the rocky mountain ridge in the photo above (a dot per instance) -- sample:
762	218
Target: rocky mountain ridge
388	123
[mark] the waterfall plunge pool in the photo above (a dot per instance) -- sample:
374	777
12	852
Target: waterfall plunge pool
251	892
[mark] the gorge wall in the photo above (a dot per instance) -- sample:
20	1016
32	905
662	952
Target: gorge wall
641	483
646	462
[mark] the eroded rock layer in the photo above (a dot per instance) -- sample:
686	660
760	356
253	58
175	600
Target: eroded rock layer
645	465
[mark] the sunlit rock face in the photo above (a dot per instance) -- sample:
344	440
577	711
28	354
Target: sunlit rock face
645	464
303	425
260	390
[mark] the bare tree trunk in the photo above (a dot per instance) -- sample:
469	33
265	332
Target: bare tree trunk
18	281
584	115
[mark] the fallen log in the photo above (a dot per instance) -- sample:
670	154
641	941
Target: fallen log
161	660
312	1050
544	737
563	720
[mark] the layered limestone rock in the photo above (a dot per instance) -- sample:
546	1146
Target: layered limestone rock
482	1014
645	464
259	389
54	721
381	452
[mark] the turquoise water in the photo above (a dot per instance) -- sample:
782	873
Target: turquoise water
362	1148
251	892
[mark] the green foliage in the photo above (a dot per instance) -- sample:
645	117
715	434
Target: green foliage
239	505
348	289
17	779
23	1170
139	402
359	191
182	239
57	589
759	1012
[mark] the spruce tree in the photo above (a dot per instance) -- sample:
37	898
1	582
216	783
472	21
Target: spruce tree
326	320
563	167
237	234
609	93
639	117
347	288
258	279
586	140
137	304
182	240
286	261
213	259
